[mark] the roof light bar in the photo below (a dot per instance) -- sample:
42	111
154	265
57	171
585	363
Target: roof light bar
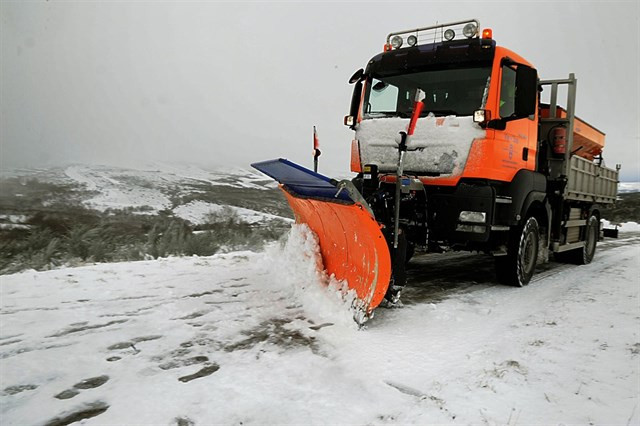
434	34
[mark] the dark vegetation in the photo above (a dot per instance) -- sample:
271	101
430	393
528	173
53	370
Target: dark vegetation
57	229
268	201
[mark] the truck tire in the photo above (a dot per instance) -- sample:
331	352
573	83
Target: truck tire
518	266
592	232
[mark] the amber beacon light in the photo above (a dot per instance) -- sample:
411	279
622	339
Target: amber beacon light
487	33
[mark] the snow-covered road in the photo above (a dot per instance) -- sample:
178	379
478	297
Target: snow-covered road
253	338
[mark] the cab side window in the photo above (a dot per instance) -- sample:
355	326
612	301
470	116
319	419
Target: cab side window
507	92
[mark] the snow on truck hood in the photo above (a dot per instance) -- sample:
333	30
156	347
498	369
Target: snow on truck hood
442	143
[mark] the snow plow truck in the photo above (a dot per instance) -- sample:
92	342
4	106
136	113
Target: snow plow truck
454	150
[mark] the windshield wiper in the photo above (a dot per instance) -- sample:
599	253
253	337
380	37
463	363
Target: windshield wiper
388	114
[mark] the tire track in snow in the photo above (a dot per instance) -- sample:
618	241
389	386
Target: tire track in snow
433	278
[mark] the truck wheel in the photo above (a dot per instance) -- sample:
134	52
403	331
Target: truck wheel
518	266
590	241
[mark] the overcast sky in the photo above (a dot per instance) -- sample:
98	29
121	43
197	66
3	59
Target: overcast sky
232	83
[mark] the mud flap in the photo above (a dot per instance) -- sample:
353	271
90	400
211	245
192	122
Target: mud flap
352	245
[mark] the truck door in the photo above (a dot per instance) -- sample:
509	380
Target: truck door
517	142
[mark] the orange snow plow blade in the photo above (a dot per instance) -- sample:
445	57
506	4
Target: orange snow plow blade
352	245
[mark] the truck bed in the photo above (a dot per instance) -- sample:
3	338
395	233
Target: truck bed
587	181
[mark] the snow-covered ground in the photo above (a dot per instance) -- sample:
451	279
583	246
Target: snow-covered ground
254	338
623	227
13	221
197	212
154	186
116	194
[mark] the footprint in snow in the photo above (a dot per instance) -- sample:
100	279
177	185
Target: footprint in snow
85	411
184	421
15	389
203	372
89	383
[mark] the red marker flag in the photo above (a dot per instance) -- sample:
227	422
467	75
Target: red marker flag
316	142
316	149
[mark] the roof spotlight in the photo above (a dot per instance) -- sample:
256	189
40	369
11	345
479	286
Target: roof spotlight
396	42
469	30
412	40
449	34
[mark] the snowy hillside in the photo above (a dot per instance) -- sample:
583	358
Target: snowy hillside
149	189
162	187
254	338
75	214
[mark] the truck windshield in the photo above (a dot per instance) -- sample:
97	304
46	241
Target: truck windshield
448	92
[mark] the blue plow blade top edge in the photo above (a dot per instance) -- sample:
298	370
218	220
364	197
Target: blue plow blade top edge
301	180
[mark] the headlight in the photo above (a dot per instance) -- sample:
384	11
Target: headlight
469	30
449	34
475	217
396	42
412	40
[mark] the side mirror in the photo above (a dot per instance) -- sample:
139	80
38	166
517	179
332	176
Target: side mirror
497	124
355	105
526	91
357	76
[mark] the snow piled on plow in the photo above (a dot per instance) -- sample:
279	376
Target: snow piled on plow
255	338
298	266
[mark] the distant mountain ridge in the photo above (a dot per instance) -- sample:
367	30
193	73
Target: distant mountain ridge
186	191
